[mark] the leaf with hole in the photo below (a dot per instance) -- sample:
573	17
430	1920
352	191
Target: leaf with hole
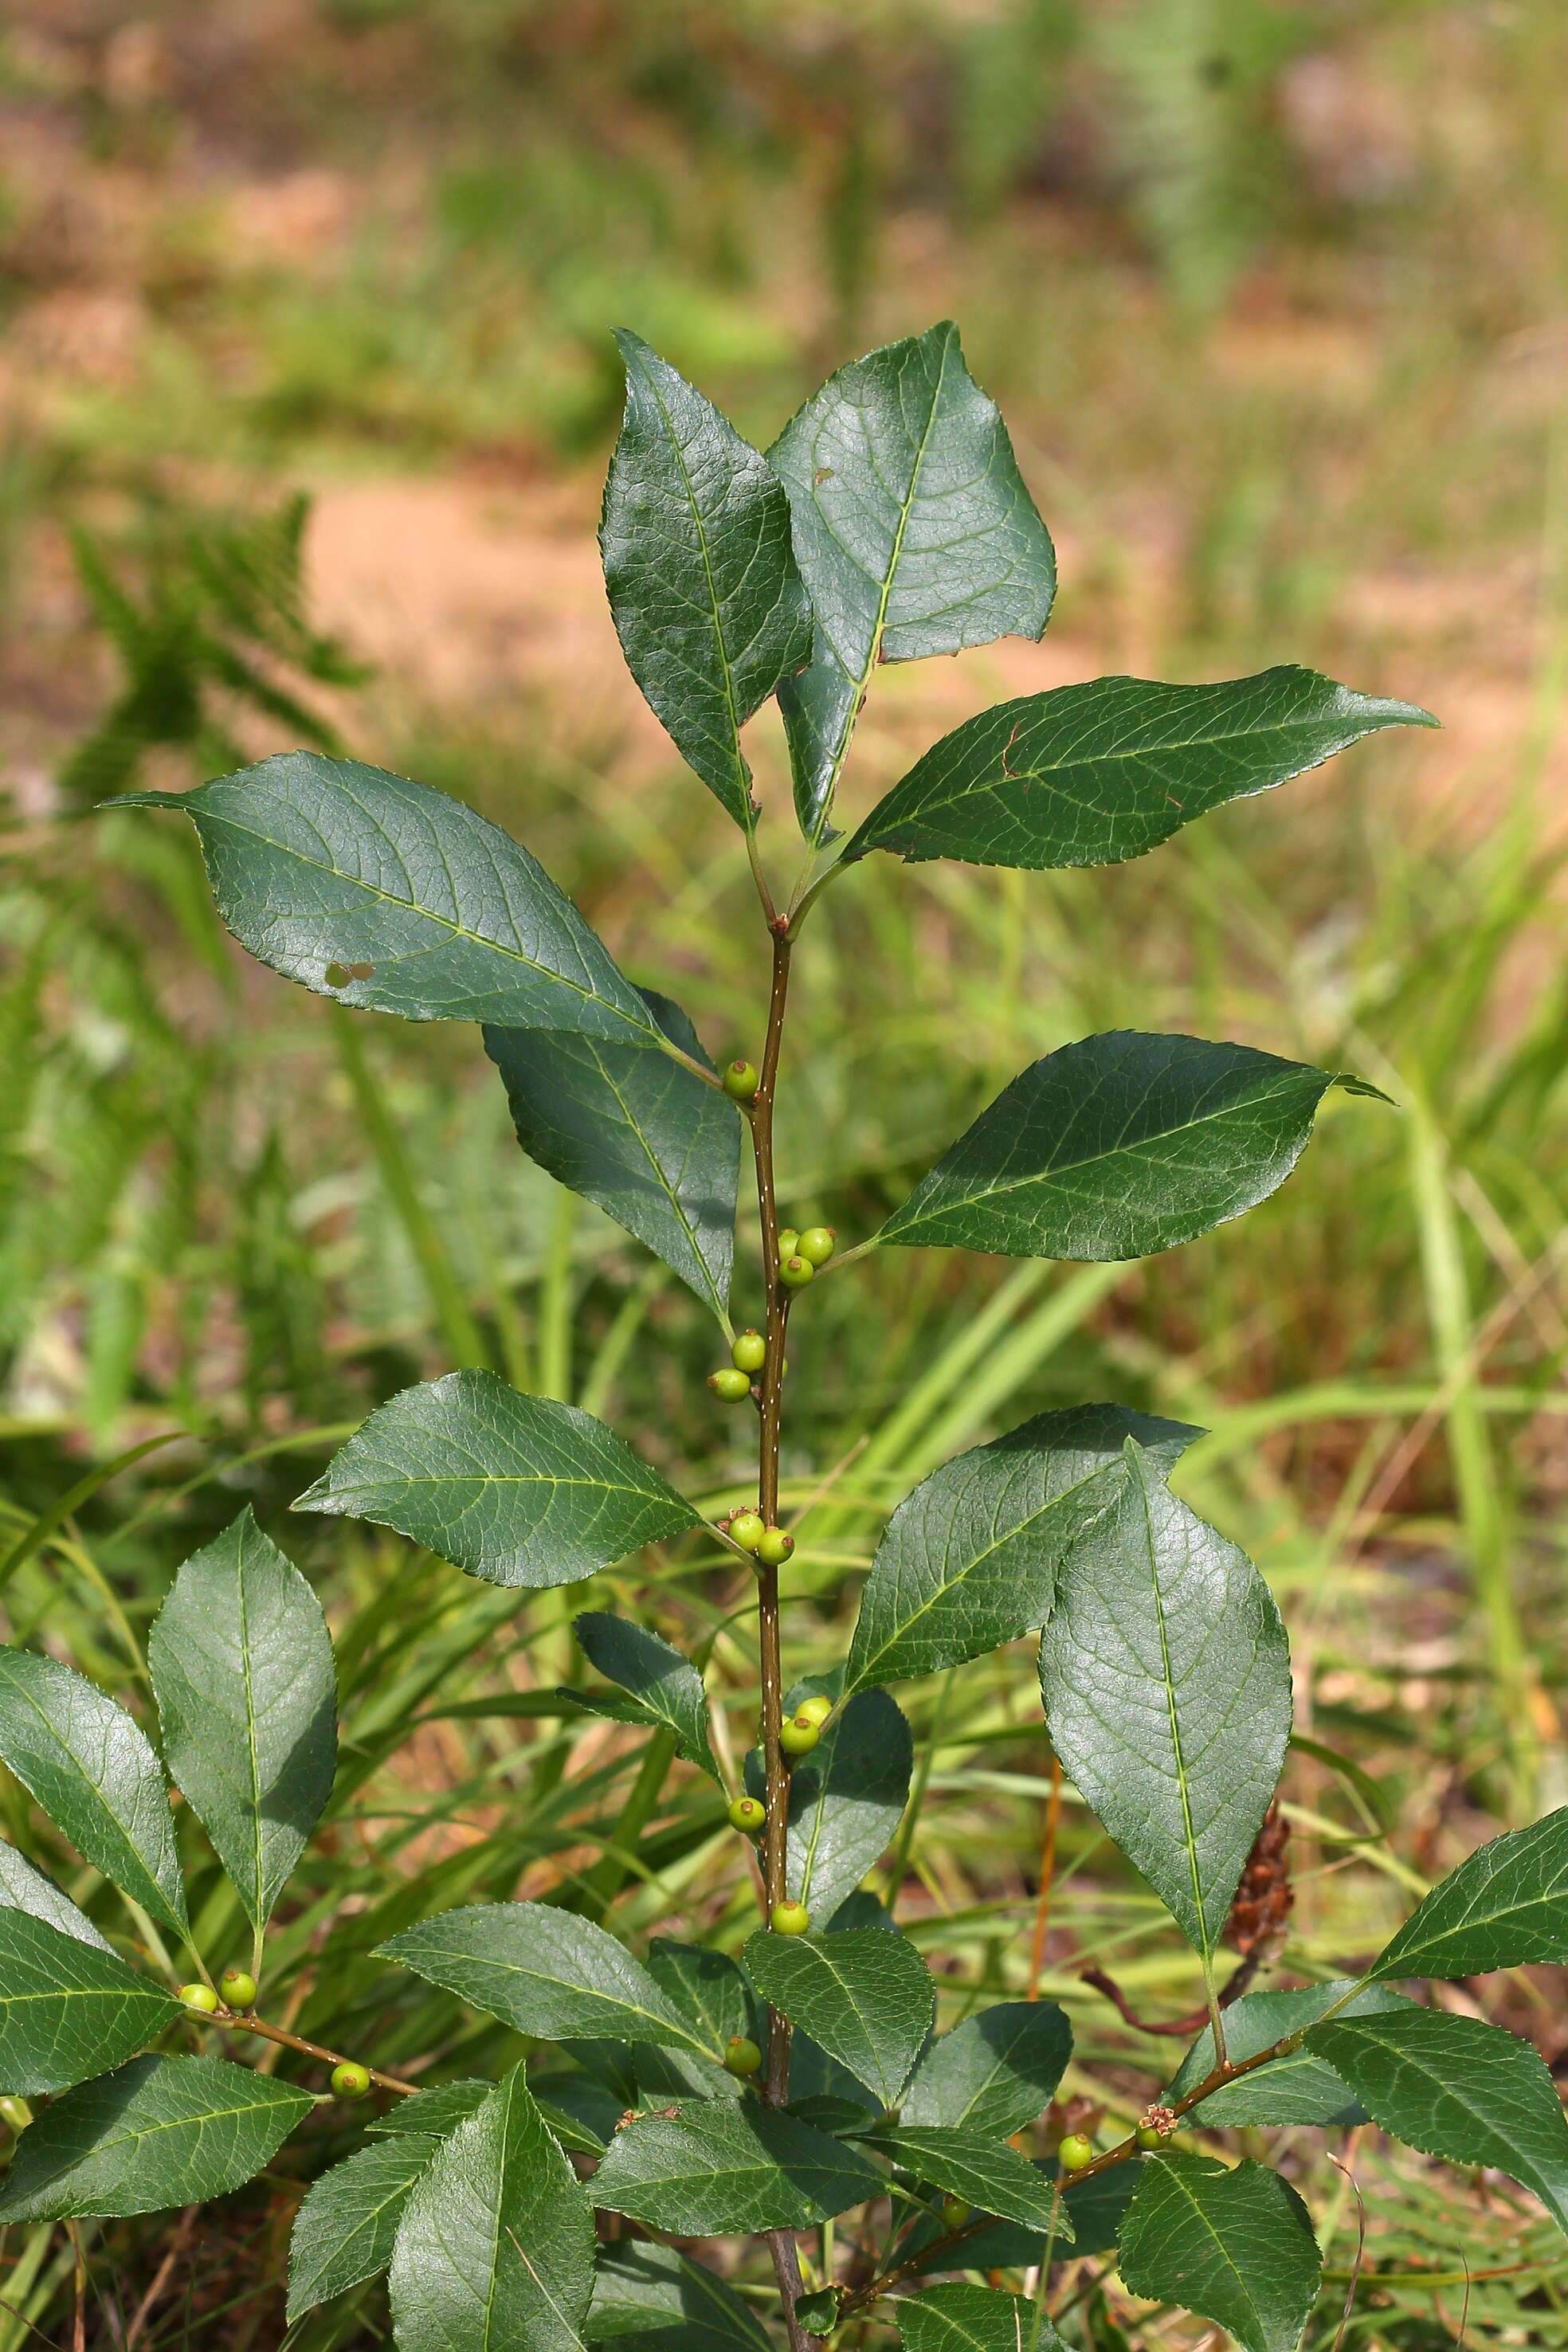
91	1769
666	1685
1298	2088
1506	1906
643	1135
703	586
996	2072
969	1559
1233	2246
718	2165
68	2009
520	1490
241	1663
1117	1147
1167	1680
158	2132
1091	774
668	2304
863	1996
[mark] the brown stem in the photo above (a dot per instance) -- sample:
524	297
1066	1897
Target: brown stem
248	2023
787	2271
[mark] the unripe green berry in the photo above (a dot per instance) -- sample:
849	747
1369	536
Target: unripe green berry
774	1547
818	1243
798	1734
238	1986
750	1352
351	2081
748	1813
815	1710
789	1918
794	1272
1074	2152
747	1529
955	2212
741	2056
1147	2136
789	1242
199	1996
741	1080
15	2112
730	1386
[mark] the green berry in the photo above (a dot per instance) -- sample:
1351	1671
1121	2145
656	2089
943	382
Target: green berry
740	1081
750	1352
747	1529
1076	2152
238	1986
748	1813
955	2212
789	1918
199	1996
15	2112
1147	2136
789	1242
351	2081
774	1547
818	1243
741	2056
733	1387
794	1272
798	1734
815	1710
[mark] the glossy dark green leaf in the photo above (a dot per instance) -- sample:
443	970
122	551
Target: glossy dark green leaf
159	2132
1088	775
1116	1147
914	533
818	2312
962	2319
520	1490
702	581
1166	1679
1296	2089
666	1684
669	2304
548	1972
433	2113
380	892
864	1996
1090	2217
638	1133
241	1663
986	2173
495	2248
707	1988
23	1888
344	2229
846	1800
1457	2088
722	2165
1233	2246
969	1560
994	2073
91	1769
1505	1906
68	2009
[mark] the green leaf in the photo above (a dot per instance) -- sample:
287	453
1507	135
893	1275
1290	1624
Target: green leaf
91	1769
962	2318
1093	2210
68	2009
433	2113
846	1799
703	586
545	1971
1457	2088
518	1489
241	1663
986	2173
23	1888
1166	1679
344	2230
667	1685
1116	1147
863	1996
994	2073
495	2248
1296	2089
636	1132
817	2313
722	2165
914	534
159	2132
706	1988
1090	775
1233	2246
969	1559
411	902
1505	1906
669	2304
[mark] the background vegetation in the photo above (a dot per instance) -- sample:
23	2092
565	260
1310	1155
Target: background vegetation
1276	301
